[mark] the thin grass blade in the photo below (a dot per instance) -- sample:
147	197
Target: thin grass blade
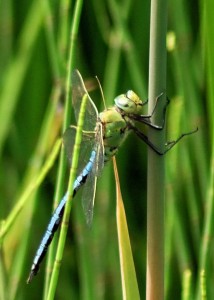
30	189
127	268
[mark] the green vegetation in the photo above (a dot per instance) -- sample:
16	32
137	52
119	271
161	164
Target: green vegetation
40	43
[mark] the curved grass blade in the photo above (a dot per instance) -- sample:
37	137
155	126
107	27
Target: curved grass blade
128	274
30	189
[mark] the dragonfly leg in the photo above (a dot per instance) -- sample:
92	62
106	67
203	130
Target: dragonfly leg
145	102
155	106
171	144
168	145
146	118
154	126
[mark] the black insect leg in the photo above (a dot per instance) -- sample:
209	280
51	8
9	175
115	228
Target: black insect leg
146	118
168	145
150	124
171	144
145	102
154	108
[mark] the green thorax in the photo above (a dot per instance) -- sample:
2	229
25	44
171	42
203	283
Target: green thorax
116	122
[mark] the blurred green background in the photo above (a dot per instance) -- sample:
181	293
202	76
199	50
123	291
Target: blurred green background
112	43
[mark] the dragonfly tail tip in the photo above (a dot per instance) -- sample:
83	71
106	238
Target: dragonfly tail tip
30	277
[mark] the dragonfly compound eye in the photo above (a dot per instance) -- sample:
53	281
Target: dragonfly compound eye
129	102
124	103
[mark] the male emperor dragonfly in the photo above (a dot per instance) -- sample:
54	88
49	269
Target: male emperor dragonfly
102	136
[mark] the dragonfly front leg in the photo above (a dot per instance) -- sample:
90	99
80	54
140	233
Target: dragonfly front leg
146	118
154	108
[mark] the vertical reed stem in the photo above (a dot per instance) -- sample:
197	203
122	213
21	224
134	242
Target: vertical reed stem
155	186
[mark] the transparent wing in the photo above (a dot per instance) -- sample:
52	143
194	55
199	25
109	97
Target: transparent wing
100	149
91	117
92	139
90	186
78	91
88	197
87	145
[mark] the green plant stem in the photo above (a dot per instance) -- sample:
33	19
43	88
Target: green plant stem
66	216
206	242
62	163
17	69
155	187
54	55
30	189
124	39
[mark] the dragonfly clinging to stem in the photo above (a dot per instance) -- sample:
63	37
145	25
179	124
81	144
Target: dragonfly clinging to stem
102	136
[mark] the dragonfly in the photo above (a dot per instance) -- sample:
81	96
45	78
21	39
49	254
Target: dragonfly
102	136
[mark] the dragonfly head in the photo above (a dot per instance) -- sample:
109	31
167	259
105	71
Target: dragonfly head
129	103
